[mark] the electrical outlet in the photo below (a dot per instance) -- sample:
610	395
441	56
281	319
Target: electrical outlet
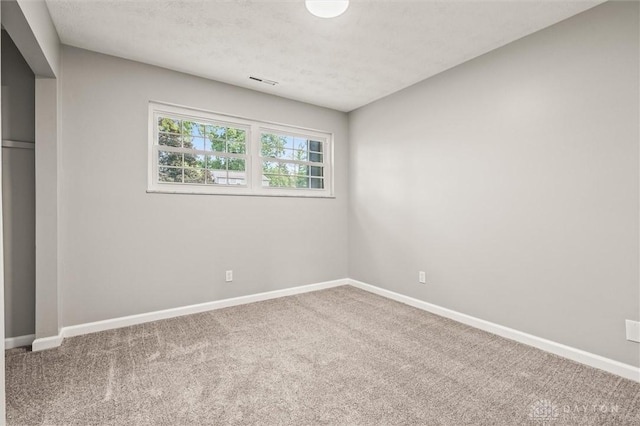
422	277
229	276
633	330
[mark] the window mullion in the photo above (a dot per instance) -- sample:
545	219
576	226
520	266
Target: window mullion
256	157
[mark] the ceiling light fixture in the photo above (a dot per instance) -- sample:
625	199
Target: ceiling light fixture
327	8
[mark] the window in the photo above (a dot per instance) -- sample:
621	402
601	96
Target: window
193	151
291	161
197	152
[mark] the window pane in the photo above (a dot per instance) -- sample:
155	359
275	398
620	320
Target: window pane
302	170
316	171
272	167
236	164
194	175
289	154
194	160
237	178
170	174
272	145
169	125
236	147
216	145
187	141
216	163
218	177
302	182
315	157
166	158
209	177
301	155
316	183
218	132
291	148
222	177
197	143
226	139
169	139
291	169
236	135
315	146
288	140
189	128
269	166
301	143
290	175
279	181
206	129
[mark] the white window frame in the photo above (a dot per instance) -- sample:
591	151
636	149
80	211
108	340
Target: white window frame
254	159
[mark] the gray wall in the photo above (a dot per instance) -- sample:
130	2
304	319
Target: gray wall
512	180
48	188
124	251
18	94
18	205
18	191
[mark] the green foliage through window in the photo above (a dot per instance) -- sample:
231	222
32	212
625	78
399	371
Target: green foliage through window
288	161
201	139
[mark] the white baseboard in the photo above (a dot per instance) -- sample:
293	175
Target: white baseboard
574	354
625	370
46	343
18	341
110	324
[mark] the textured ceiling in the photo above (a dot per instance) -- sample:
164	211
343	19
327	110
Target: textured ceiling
374	49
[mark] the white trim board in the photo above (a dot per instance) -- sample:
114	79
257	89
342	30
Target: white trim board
110	324
18	341
578	355
43	343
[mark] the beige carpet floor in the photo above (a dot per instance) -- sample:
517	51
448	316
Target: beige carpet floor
334	357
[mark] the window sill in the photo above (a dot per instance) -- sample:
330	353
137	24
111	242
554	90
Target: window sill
235	194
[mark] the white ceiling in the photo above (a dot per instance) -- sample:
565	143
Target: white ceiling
374	49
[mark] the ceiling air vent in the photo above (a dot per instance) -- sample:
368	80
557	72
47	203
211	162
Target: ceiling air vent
262	80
